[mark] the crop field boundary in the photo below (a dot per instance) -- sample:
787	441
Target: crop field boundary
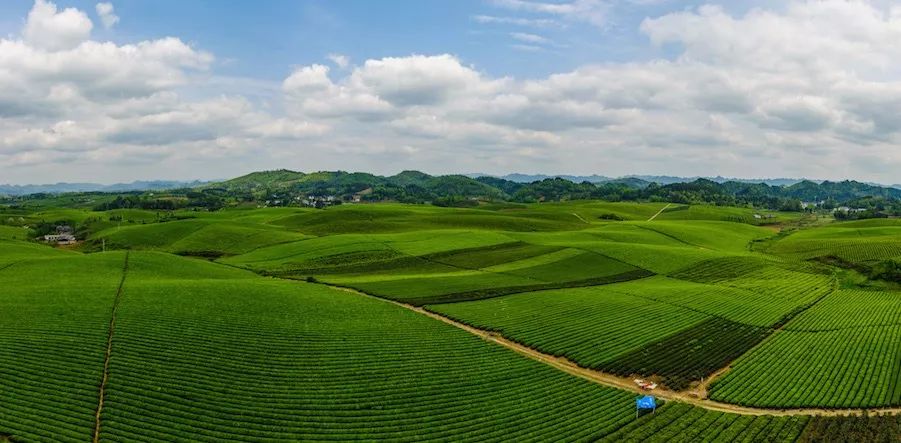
485	294
109	350
463	268
429	258
670	236
624	383
403	255
637	274
9	265
780	325
843	328
690	308
701	389
481	294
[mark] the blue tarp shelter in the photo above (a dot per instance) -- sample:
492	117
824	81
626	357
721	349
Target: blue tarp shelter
646	402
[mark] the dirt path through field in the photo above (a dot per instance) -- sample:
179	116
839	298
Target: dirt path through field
580	218
659	212
109	350
700	391
691	397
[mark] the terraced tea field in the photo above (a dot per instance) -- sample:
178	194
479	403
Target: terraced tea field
860	241
843	352
412	323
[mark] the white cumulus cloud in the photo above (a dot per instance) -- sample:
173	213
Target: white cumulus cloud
809	89
48	28
340	60
107	15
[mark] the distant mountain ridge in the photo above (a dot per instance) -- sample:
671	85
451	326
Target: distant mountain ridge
60	188
659	179
530	178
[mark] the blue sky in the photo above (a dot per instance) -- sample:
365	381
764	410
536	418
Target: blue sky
263	39
210	89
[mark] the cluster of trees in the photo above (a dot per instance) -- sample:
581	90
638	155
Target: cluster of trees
555	189
858	215
868	201
209	199
455	202
869	207
888	270
139	202
44	227
700	191
885	270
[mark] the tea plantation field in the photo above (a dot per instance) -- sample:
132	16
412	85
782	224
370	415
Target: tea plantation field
350	324
857	242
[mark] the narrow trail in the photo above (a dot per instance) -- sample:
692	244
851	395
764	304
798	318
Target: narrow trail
580	218
659	212
109	350
692	397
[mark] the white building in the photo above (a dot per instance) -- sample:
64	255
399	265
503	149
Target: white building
60	239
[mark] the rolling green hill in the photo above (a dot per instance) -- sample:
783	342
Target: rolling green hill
408	322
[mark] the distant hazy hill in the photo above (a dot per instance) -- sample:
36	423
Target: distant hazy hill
530	178
667	180
659	179
60	188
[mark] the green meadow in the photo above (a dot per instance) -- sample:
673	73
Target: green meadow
297	324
